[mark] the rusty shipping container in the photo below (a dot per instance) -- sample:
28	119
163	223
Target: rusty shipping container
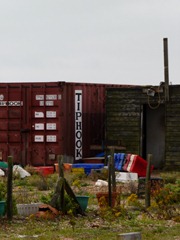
39	121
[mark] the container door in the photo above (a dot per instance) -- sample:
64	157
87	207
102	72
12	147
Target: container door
154	134
46	124
11	106
31	123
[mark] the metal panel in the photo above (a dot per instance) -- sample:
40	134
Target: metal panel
84	118
10	118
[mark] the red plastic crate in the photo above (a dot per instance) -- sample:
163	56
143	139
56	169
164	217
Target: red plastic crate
45	170
137	165
126	162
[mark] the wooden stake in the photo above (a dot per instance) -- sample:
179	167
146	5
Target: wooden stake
62	186
148	182
109	181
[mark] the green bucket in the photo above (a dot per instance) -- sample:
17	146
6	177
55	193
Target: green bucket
2	208
83	201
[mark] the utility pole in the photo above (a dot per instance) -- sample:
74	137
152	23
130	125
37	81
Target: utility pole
166	69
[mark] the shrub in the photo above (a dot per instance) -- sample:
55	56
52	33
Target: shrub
166	199
3	190
30	169
133	200
169	177
167	195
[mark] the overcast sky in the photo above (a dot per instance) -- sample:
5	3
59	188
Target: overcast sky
97	41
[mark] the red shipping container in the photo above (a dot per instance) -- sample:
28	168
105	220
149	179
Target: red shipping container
39	121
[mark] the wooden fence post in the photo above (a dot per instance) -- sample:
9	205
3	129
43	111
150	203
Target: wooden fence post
109	181
148	182
61	175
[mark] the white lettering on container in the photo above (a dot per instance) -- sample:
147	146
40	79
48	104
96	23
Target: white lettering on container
51	97
38	114
39	126
39	138
51	114
78	124
11	103
39	97
51	126
51	138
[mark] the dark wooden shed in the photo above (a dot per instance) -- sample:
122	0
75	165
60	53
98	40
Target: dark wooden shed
143	120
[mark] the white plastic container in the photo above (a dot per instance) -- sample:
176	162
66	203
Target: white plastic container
126	176
28	209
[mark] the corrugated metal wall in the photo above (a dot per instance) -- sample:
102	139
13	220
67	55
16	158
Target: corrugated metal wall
92	97
30	122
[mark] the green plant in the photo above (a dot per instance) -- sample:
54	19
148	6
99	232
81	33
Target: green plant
165	200
79	187
113	214
14	206
167	195
30	169
46	198
3	190
169	177
3	195
24	195
70	205
133	200
42	183
51	180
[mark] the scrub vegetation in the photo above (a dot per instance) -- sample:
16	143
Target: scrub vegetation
160	221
